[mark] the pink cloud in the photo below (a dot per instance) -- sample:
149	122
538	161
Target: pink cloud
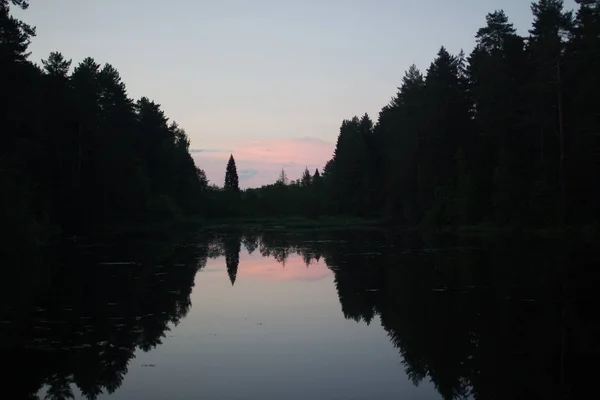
259	162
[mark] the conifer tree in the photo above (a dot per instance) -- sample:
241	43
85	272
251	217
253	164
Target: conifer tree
231	177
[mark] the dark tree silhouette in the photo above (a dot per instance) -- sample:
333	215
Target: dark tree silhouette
282	180
78	153
306	179
506	136
232	184
94	346
316	176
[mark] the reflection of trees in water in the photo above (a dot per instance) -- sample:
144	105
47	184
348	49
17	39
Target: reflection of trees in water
232	245
477	323
276	246
98	308
282	245
250	241
488	320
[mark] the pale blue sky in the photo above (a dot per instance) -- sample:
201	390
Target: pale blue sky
233	71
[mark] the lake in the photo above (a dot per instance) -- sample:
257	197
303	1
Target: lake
366	314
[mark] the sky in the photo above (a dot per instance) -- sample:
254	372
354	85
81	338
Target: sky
268	81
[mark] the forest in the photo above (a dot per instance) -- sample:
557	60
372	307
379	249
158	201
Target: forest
507	135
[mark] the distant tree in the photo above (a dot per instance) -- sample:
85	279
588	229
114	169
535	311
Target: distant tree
306	179
317	175
202	178
282	179
231	177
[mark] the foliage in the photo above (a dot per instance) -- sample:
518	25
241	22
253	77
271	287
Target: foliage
507	135
78	152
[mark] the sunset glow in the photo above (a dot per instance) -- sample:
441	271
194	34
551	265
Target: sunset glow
268	269
260	162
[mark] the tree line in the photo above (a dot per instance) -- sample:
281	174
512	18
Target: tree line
77	151
507	135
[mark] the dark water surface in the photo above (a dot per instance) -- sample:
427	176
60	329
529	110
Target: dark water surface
313	315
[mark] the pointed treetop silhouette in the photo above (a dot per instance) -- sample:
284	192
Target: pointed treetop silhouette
232	183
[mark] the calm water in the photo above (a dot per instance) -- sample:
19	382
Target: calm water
316	315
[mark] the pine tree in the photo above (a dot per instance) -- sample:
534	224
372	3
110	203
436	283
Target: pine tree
497	71
57	65
348	167
400	131
546	46
231	177
15	35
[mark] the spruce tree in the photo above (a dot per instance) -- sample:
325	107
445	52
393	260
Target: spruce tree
231	177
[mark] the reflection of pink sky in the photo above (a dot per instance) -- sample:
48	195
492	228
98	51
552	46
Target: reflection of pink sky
260	162
268	269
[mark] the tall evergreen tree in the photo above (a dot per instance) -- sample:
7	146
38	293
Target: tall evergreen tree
546	46
582	95
497	72
231	177
400	129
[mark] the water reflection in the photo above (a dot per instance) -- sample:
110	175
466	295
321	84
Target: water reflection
98	305
478	319
232	244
